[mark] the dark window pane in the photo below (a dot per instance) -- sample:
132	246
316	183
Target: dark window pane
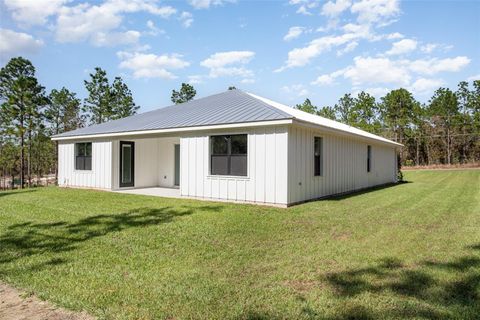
238	165
79	163
239	144
88	163
317	166
369	158
126	163
88	149
80	149
219	165
219	144
317	156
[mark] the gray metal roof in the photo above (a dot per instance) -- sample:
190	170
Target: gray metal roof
232	106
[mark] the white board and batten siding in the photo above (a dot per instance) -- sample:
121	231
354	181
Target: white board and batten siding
344	164
266	180
100	177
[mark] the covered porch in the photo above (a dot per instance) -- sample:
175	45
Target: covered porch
147	165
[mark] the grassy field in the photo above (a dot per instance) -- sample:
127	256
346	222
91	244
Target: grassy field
406	251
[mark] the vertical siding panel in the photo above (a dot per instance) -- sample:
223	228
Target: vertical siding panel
270	162
199	166
231	189
250	184
260	165
281	168
206	161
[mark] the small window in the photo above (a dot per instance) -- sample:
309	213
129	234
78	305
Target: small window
369	158
317	155
228	155
83	156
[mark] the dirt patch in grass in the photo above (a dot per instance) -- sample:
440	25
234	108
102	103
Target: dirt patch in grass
16	305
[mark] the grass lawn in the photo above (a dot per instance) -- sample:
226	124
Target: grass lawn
406	251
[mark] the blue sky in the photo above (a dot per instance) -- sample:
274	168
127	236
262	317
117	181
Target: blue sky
284	50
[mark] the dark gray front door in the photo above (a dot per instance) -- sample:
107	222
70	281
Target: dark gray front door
127	164
177	165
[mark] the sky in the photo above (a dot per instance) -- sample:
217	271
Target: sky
284	50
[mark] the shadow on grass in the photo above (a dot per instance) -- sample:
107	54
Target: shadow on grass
15	192
443	290
28	239
365	191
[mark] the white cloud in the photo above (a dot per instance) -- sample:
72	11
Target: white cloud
376	70
154	30
435	65
33	12
299	57
323	80
247	81
221	59
85	22
229	63
304	6
367	71
296	89
424	86
402	47
334	8
429	47
231	72
98	23
104	39
145	65
17	43
293	32
380	12
394	36
377	92
348	48
205	4
195	79
473	78
186	18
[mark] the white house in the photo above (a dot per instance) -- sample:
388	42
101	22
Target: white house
232	146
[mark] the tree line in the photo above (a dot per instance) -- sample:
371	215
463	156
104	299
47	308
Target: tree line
444	130
29	116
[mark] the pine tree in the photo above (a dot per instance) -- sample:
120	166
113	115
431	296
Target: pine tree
186	93
123	104
22	98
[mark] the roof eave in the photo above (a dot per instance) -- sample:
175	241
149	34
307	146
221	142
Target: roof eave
346	133
176	130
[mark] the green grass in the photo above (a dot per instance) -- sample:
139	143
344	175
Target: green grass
406	251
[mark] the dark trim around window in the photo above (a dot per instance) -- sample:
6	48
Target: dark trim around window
317	156
83	156
228	155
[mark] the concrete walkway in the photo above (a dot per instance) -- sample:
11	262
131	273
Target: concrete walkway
154	191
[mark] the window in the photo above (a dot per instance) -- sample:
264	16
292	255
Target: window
317	155
83	156
369	158
228	155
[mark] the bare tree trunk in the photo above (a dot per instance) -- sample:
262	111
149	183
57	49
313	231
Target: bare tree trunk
448	146
22	160
417	160
29	158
